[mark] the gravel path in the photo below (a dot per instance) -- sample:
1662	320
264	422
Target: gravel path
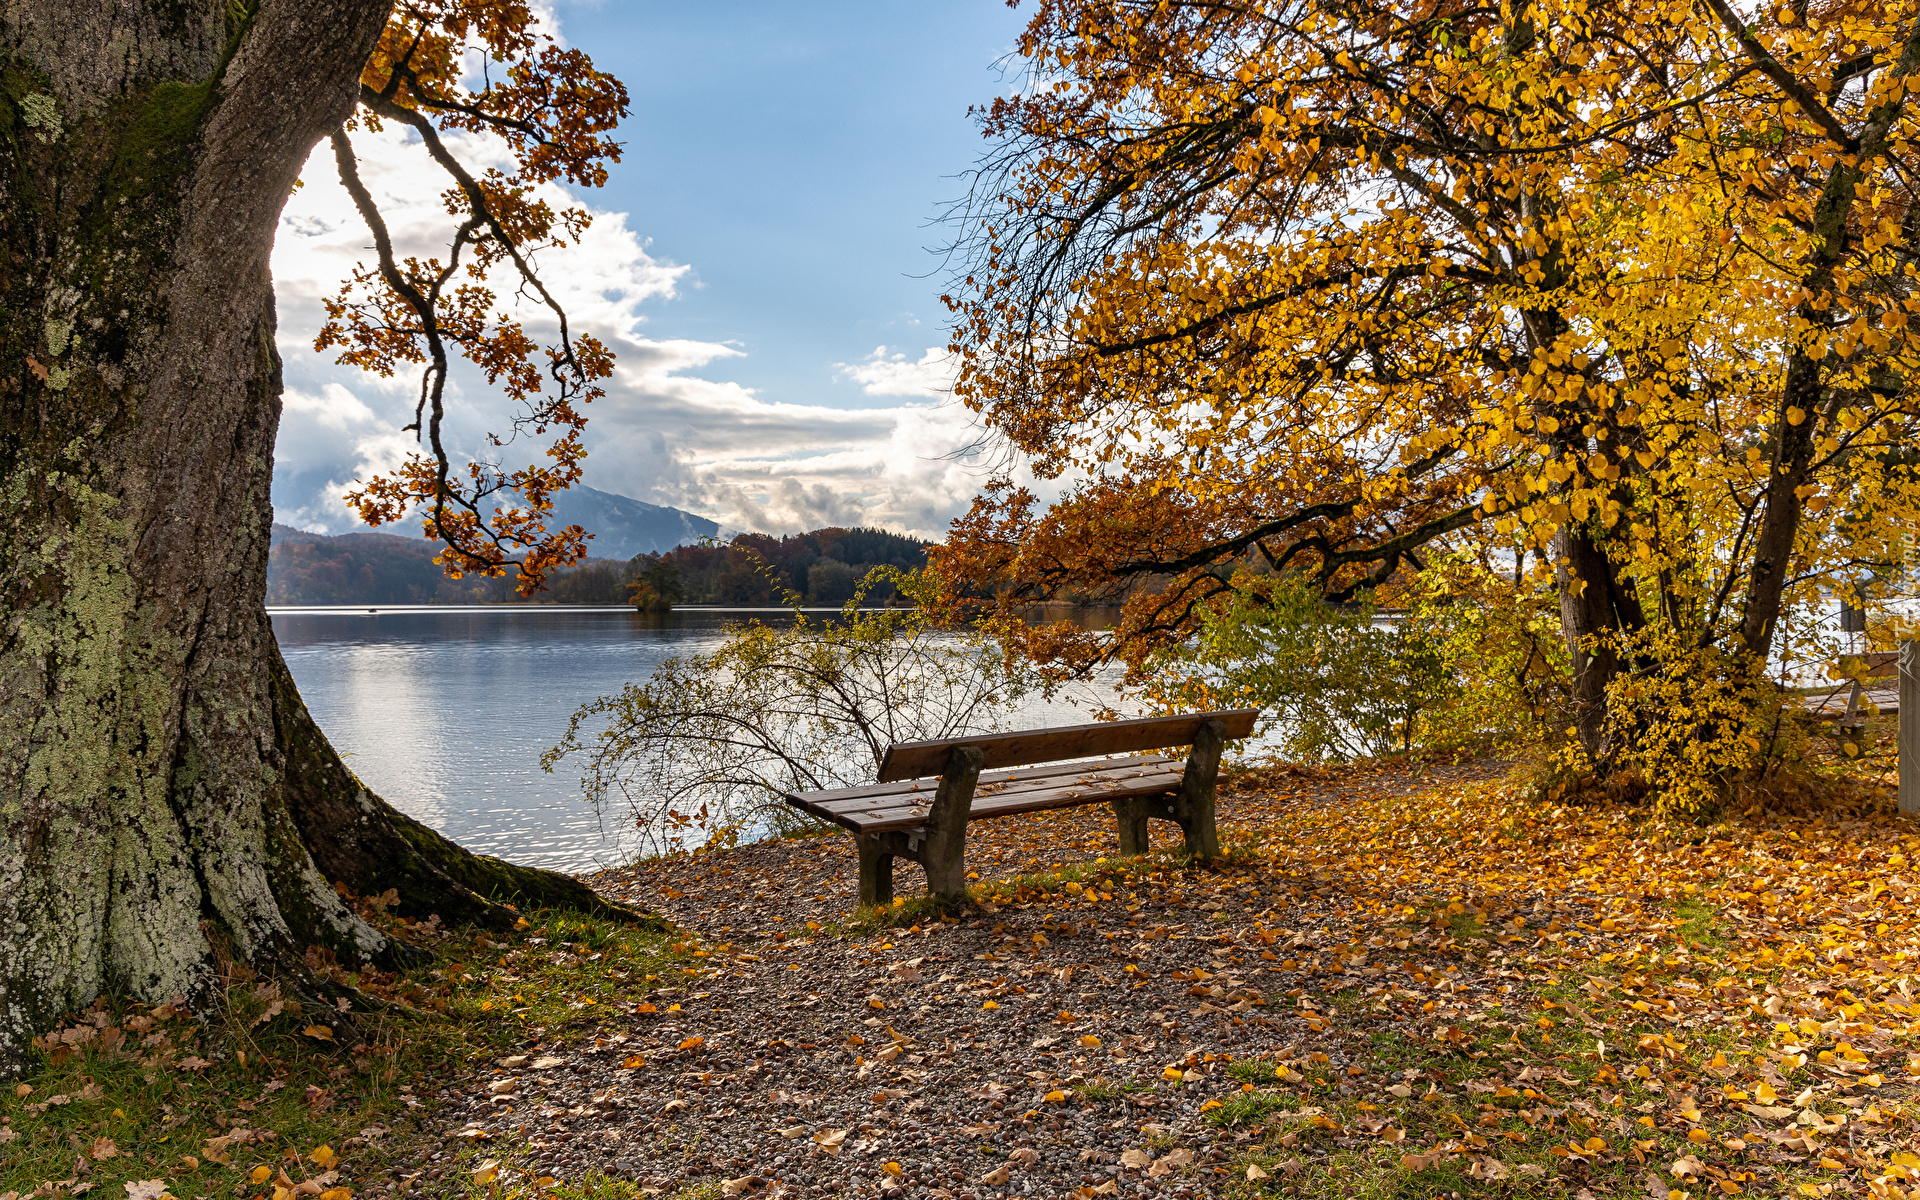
1058	1045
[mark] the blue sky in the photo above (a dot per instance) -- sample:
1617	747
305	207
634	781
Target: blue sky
772	226
797	156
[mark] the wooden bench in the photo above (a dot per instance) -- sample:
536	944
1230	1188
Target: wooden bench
928	791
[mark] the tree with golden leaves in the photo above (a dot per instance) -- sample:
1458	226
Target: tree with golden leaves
1617	295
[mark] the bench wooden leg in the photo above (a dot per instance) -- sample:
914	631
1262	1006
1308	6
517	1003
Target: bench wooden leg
876	871
1193	805
1130	813
945	853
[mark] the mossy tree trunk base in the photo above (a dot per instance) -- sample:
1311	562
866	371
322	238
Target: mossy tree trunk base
163	791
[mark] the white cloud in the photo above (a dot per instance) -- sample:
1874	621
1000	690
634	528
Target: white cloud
665	433
887	373
334	407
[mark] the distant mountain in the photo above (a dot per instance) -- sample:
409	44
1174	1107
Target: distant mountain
623	527
383	568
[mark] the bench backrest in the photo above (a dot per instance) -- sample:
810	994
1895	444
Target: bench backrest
913	760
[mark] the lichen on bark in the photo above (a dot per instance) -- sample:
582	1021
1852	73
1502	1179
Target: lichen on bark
162	788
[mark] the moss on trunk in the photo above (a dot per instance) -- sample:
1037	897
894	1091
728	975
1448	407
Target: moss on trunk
165	798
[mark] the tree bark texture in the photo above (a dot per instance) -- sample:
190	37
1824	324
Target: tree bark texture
1594	603
161	785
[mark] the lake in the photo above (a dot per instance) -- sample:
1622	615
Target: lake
446	711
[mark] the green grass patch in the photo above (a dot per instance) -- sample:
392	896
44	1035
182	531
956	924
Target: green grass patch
1699	926
126	1092
1102	1091
1251	1108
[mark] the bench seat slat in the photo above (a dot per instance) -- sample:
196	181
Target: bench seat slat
926	787
1000	793
859	812
1014	794
1065	796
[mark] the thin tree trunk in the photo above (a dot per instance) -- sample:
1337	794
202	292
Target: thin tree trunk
1587	616
161	786
1803	387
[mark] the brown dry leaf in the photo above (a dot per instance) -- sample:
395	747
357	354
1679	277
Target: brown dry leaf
1171	1161
830	1140
734	1187
548	1062
322	1033
146	1189
103	1148
1254	1173
997	1176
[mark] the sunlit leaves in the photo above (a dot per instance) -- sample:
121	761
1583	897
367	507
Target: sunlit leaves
483	67
1297	287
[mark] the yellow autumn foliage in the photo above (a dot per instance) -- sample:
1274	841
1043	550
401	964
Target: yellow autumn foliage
1614	297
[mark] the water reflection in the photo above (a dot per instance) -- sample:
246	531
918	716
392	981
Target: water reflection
445	711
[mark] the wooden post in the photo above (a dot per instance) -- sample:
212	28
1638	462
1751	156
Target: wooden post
1910	727
1130	813
945	853
1193	805
876	870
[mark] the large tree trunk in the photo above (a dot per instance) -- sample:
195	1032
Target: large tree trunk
162	788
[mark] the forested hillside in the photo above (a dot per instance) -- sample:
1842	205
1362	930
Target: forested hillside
823	567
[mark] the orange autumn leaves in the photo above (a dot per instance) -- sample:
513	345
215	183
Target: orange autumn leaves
1619	293
1763	973
555	113
1728	1005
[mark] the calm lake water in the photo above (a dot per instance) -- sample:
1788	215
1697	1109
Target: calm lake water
446	711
